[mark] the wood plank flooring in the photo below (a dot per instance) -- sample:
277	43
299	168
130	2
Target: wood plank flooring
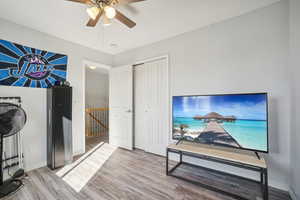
91	142
136	175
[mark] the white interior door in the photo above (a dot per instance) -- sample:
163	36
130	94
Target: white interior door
120	107
140	107
152	107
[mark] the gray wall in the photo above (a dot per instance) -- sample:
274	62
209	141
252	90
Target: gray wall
96	89
34	100
244	54
295	72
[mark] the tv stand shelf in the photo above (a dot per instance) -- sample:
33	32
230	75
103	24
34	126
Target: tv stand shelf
232	157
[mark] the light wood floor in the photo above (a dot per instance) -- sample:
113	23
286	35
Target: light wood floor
136	175
91	142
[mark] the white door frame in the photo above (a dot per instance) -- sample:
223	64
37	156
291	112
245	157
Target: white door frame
87	63
166	56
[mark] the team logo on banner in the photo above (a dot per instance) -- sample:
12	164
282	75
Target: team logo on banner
28	67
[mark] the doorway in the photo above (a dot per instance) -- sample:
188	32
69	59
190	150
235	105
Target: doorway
151	106
139	106
96	104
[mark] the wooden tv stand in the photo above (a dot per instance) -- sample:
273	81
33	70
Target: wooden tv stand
232	157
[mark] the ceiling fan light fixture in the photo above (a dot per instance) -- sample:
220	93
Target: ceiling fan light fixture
110	12
93	12
106	21
92	67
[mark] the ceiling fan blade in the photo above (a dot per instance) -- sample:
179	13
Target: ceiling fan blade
129	1
82	1
93	22
131	9
125	20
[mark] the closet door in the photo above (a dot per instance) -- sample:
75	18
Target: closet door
140	108
152	107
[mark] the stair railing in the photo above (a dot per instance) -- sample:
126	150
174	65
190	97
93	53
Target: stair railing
96	122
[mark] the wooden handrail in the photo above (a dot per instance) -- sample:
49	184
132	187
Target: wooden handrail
98	121
89	110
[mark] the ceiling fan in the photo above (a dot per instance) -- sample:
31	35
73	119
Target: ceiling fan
106	9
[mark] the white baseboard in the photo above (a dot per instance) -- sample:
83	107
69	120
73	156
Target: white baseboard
293	194
76	153
30	167
35	166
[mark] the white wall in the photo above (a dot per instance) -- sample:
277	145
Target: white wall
295	72
97	89
34	100
244	54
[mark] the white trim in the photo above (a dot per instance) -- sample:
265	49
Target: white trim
78	153
93	63
34	166
86	63
153	59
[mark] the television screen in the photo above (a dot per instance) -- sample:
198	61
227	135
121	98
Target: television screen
232	120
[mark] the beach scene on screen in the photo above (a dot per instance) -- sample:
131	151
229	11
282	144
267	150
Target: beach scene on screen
238	121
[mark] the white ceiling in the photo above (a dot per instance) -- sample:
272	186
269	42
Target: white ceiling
156	20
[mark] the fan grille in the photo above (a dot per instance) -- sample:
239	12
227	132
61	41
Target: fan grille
12	119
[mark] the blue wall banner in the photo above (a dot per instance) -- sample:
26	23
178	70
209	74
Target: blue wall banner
29	67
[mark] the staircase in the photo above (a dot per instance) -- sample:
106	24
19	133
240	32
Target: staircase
96	122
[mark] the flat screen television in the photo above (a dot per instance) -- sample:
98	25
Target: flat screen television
230	120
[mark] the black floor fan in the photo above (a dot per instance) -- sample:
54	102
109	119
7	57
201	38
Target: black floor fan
12	120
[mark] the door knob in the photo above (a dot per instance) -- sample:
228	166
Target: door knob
129	111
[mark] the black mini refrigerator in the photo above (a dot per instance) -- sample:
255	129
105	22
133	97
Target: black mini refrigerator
59	130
